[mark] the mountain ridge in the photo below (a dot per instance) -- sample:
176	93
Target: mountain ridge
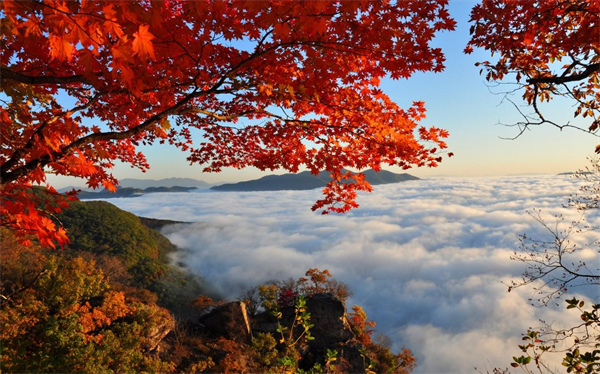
130	192
307	181
165	182
150	183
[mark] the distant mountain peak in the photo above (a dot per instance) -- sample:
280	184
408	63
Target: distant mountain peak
165	182
307	181
130	192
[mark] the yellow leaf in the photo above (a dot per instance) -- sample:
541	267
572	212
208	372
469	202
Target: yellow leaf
165	124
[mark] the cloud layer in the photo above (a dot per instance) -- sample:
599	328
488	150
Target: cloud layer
425	258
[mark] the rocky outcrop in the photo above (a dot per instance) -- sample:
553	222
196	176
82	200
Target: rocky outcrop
161	323
331	329
328	315
230	321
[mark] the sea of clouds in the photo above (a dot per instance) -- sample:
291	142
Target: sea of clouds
425	259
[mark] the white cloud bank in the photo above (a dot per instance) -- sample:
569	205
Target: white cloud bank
425	259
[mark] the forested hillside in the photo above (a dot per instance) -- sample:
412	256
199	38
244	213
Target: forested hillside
122	243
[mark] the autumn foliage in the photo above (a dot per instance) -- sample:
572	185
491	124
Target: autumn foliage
269	84
60	314
548	48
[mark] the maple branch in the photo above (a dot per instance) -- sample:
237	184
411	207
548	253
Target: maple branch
530	121
69	14
535	99
573	96
9	176
14	159
220	117
6	74
537	87
589	70
304	126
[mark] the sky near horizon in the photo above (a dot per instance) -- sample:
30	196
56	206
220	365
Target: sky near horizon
457	99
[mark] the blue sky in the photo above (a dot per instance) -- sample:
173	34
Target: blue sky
458	99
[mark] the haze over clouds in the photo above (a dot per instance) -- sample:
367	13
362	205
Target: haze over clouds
424	258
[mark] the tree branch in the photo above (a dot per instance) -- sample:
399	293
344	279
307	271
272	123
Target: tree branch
6	74
589	70
16	156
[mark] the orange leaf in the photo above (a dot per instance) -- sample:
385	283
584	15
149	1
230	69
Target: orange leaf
528	37
32	27
60	49
142	42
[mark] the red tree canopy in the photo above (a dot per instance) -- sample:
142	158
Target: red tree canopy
547	47
269	84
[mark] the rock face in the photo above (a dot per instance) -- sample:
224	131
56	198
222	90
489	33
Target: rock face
162	324
328	315
229	320
331	329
